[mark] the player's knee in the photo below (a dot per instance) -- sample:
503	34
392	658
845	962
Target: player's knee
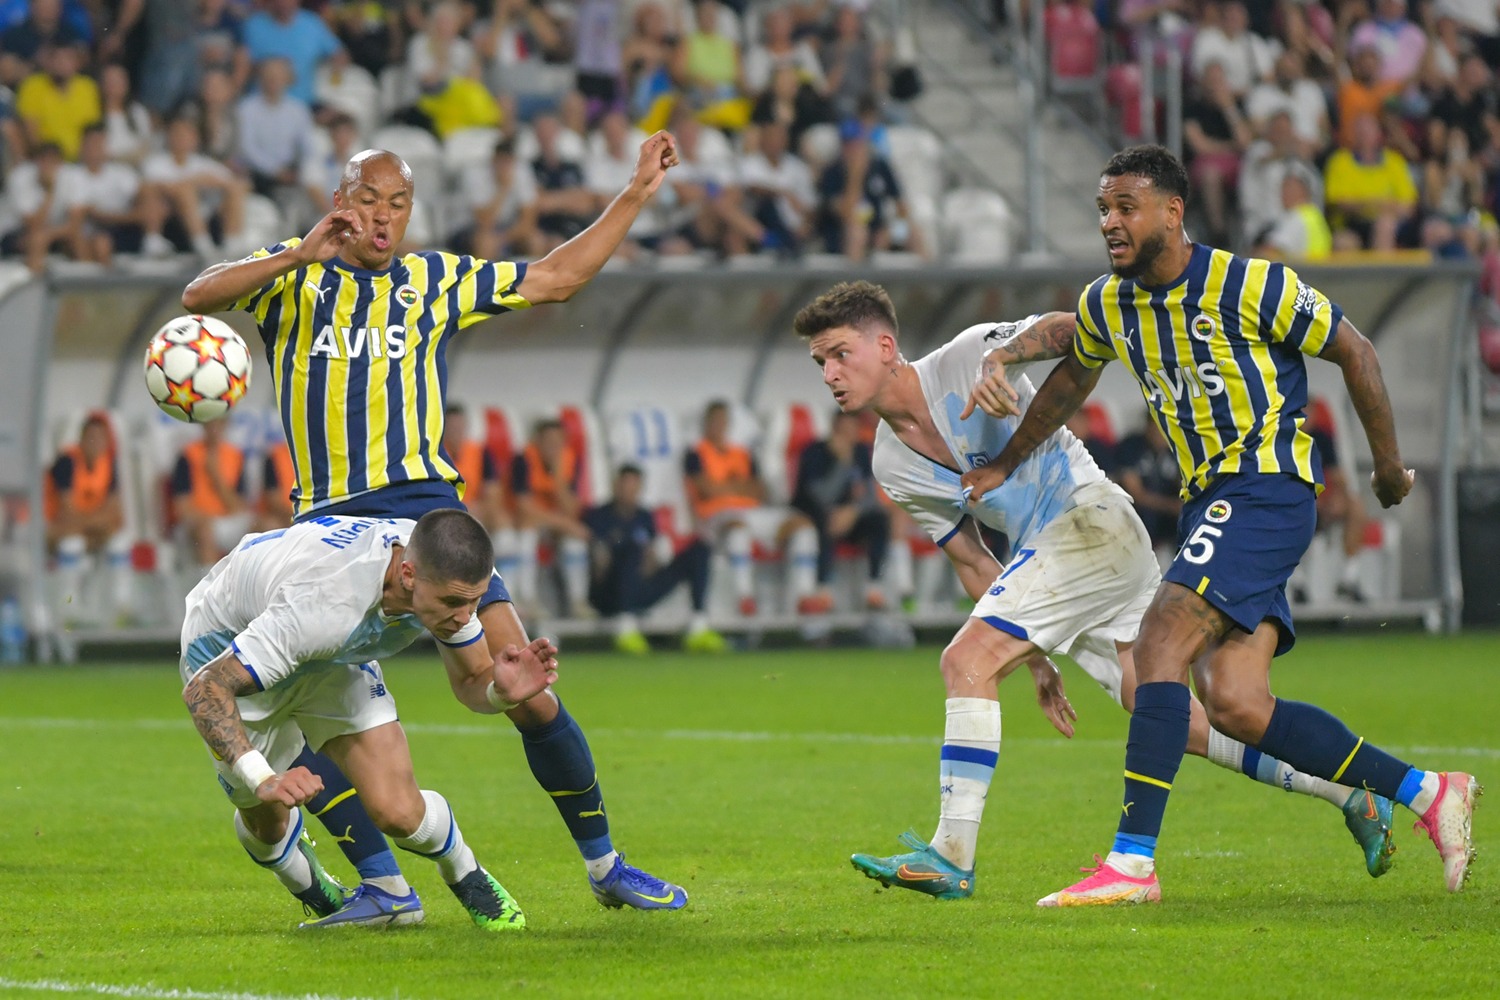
397	815
968	664
1236	711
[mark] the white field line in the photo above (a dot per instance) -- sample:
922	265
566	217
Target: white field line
148	991
696	735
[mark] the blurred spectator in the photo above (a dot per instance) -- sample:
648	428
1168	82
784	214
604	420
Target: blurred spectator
56	103
439	52
613	150
1301	231
1479	19
1215	134
218	38
484	489
1291	91
1265	163
1226	39
526	53
728	499
625	581
370	31
503	200
598	28
274	130
168	57
1452	196
1446	49
129	132
792	102
1102	451
1470	105
201	195
323	168
208	495
37	190
1369	190
281	28
1309	32
1340	509
836	491
701	212
1364	92
707	67
1167	21
85	517
1146	467
564	205
104	201
219	110
647	57
278	478
44	27
778	48
544	481
779	189
1401	43
853	62
861	207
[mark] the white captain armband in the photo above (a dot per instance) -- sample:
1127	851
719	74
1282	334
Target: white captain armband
471	633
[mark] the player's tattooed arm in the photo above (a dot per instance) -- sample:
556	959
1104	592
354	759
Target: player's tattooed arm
210	696
1355	355
1059	398
1047	338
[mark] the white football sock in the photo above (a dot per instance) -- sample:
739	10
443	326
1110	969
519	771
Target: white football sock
438	838
281	858
600	867
1230	754
1134	865
1428	795
120	574
971	745
575	571
507	555
526	545
898	573
741	570
802	561
72	554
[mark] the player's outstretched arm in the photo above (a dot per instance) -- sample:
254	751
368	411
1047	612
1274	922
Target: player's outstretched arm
561	274
1355	355
1058	399
222	285
210	699
489	686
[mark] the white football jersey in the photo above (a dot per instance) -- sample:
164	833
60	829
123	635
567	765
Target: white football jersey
1036	493
304	598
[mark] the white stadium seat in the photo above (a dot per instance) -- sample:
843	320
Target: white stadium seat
421	152
976	225
917	159
352	90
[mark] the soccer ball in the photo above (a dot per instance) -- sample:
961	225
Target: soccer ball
197	368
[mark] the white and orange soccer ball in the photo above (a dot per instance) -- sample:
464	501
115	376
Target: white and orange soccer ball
197	368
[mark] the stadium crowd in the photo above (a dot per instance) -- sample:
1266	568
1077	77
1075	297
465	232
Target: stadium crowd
156	127
1313	127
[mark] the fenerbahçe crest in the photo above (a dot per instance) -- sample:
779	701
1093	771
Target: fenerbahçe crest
1218	512
1203	327
407	296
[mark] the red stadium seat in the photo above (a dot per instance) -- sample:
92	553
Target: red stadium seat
499	441
1122	86
802	431
1489	347
1101	424
1320	416
1073	42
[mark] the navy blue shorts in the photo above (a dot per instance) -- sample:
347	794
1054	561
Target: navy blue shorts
1240	540
409	500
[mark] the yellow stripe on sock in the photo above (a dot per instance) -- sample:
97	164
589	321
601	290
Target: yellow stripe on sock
336	800
561	795
1345	765
1203	585
1150	781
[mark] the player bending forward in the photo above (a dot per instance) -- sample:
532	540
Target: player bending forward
280	645
1217	344
1081	575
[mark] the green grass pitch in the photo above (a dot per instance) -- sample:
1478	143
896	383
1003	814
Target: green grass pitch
750	779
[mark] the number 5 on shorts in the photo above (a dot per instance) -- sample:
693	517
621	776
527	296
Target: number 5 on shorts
1199	548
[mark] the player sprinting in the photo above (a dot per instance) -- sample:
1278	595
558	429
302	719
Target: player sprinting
1216	342
356	339
281	646
1081	574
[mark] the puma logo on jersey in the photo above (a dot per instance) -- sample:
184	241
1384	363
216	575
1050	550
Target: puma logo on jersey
352	342
1186	380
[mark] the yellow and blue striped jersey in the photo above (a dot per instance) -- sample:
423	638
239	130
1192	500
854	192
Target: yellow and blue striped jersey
358	362
1218	355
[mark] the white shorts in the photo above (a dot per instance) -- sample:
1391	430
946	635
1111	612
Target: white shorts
1080	585
763	523
319	702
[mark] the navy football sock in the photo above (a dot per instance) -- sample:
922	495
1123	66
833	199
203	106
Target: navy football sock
338	808
1158	739
1313	741
560	759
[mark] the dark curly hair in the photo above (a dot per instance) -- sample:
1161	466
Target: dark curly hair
1155	163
